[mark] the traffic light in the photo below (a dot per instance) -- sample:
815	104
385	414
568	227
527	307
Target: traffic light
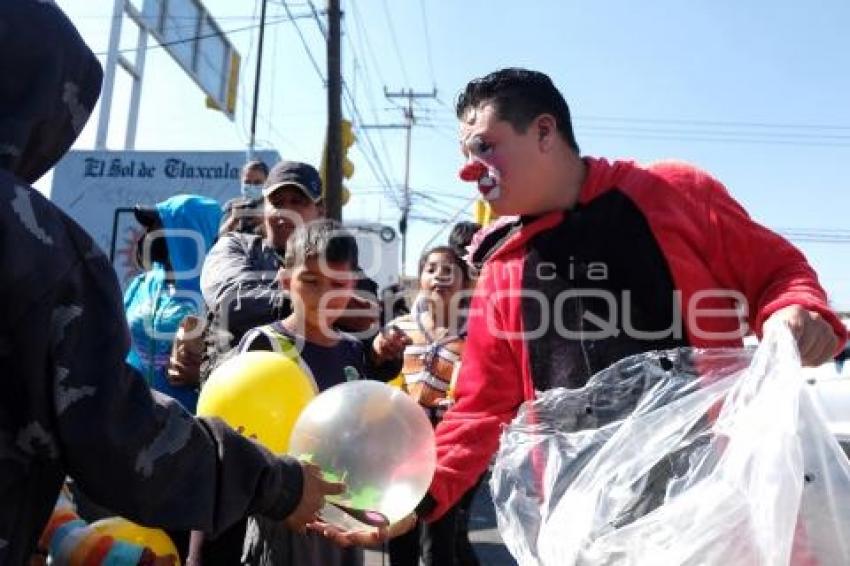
347	138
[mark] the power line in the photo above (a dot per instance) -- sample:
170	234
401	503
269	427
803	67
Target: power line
427	41
731	133
805	138
170	17
443	131
450	117
790	139
318	19
815	230
366	48
718	139
304	42
355	112
713	123
816	236
364	38
438	195
206	35
434	205
377	166
410	119
426	199
431	219
463	208
394	39
804	240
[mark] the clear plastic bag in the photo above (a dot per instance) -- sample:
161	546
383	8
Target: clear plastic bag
683	457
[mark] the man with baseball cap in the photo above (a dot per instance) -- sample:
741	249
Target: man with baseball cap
294	174
239	277
293	194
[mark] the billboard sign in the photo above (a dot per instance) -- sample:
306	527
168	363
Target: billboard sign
98	189
94	186
190	34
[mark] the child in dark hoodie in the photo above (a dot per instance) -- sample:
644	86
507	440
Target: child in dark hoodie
71	406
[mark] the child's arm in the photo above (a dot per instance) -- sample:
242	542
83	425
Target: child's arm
390	343
383	358
127	447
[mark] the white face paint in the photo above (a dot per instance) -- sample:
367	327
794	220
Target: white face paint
488	185
487	175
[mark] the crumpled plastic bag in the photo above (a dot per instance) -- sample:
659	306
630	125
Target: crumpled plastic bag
680	457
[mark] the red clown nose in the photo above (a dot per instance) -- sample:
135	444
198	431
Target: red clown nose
472	171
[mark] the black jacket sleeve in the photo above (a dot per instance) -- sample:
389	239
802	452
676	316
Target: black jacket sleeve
133	450
240	292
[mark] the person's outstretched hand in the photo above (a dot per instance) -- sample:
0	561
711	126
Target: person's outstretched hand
390	343
312	497
815	338
371	537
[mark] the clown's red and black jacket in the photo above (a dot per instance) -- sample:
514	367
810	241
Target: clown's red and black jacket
650	258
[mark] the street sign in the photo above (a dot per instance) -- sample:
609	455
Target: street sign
91	185
190	34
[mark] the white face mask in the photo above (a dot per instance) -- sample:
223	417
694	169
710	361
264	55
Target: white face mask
252	191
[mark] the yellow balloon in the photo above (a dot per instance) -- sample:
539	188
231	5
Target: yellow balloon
127	531
259	394
397	382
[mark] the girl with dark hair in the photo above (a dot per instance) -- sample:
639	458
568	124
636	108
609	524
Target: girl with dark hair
437	329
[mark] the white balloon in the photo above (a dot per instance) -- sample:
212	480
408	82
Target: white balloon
374	438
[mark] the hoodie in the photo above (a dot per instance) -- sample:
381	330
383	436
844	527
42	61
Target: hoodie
70	405
156	302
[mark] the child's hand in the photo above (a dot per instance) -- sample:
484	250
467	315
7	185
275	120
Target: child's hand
315	488
371	537
390	343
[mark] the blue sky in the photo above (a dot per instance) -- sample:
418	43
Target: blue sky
755	92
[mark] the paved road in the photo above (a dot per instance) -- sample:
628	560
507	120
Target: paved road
482	532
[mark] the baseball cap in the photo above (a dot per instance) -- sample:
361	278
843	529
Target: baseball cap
296	174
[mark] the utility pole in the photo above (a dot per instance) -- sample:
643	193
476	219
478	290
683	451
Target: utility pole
333	169
252	142
410	120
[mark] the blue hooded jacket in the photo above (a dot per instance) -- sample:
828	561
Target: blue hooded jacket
155	303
